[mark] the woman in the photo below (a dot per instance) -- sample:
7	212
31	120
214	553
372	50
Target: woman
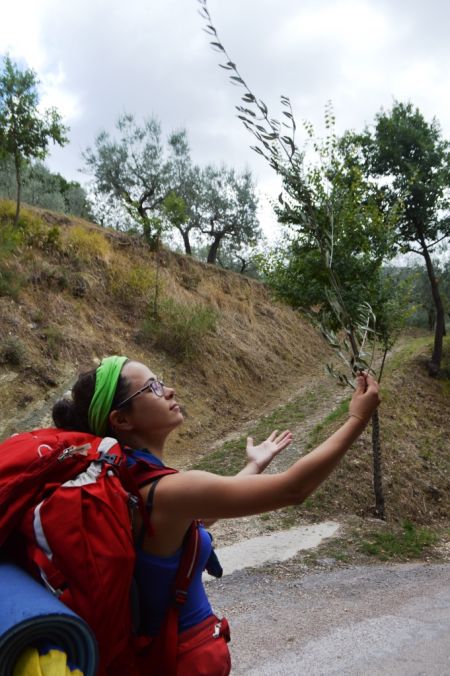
125	399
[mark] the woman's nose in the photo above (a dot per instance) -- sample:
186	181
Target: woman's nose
169	392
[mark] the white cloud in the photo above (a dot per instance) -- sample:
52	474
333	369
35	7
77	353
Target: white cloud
98	58
20	28
351	25
55	93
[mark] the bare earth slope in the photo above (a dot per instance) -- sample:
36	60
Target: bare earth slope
86	292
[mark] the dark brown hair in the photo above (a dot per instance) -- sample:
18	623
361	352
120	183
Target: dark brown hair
73	414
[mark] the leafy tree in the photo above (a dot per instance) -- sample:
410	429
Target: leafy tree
182	206
215	207
422	311
414	159
312	200
24	131
137	172
228	206
161	189
245	260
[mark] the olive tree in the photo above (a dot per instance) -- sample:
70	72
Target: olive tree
137	171
25	132
413	158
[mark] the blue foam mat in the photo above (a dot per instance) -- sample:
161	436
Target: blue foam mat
29	615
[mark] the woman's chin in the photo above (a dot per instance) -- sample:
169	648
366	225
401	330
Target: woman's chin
179	420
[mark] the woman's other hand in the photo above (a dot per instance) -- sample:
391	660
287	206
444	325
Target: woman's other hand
263	454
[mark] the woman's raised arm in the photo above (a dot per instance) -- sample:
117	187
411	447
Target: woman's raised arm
197	494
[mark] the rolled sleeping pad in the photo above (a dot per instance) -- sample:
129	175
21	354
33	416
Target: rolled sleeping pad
30	614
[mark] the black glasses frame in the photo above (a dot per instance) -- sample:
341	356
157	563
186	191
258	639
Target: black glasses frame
154	385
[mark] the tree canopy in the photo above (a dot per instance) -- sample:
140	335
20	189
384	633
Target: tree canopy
161	189
25	133
413	159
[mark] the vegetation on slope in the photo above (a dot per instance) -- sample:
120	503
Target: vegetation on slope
71	292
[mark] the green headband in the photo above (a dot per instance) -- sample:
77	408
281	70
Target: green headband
106	379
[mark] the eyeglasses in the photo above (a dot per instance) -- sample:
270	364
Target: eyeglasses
152	385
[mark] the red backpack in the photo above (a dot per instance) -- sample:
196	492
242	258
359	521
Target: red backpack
68	495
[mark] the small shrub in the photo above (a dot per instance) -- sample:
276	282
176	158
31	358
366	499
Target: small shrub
78	285
54	339
86	245
10	282
179	329
129	285
10	239
30	231
12	351
7	212
51	276
41	236
37	316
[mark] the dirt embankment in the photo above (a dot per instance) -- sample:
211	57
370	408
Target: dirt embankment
71	293
86	292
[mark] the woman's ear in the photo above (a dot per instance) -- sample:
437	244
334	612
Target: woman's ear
119	421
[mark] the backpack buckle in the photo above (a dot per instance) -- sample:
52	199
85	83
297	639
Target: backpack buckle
111	459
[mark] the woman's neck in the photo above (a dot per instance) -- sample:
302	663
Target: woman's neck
153	445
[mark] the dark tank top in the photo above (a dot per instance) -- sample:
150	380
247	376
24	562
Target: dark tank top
155	576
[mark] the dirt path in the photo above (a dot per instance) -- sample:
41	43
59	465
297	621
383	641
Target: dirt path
378	620
273	548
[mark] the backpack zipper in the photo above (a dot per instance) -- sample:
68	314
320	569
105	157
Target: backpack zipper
74	450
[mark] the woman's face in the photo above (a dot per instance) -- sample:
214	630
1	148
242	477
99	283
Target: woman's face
148	413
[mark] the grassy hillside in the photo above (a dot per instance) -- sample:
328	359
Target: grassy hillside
71	292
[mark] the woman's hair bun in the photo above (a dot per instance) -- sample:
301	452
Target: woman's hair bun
64	414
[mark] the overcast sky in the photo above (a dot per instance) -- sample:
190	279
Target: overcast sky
99	58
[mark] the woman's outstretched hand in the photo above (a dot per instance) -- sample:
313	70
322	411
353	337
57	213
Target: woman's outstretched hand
263	454
365	398
258	457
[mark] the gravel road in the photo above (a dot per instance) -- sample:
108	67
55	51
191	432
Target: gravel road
377	620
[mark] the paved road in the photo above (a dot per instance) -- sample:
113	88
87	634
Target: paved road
375	620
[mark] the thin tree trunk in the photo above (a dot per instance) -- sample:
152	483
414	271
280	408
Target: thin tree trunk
377	468
187	244
19	189
436	358
213	249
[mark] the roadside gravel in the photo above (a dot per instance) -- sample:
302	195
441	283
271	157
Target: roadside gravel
378	620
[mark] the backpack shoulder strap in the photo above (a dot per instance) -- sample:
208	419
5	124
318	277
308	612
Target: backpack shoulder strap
148	509
167	648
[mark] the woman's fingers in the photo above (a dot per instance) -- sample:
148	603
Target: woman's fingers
284	439
280	440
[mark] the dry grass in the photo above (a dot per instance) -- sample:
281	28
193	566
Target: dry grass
257	353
